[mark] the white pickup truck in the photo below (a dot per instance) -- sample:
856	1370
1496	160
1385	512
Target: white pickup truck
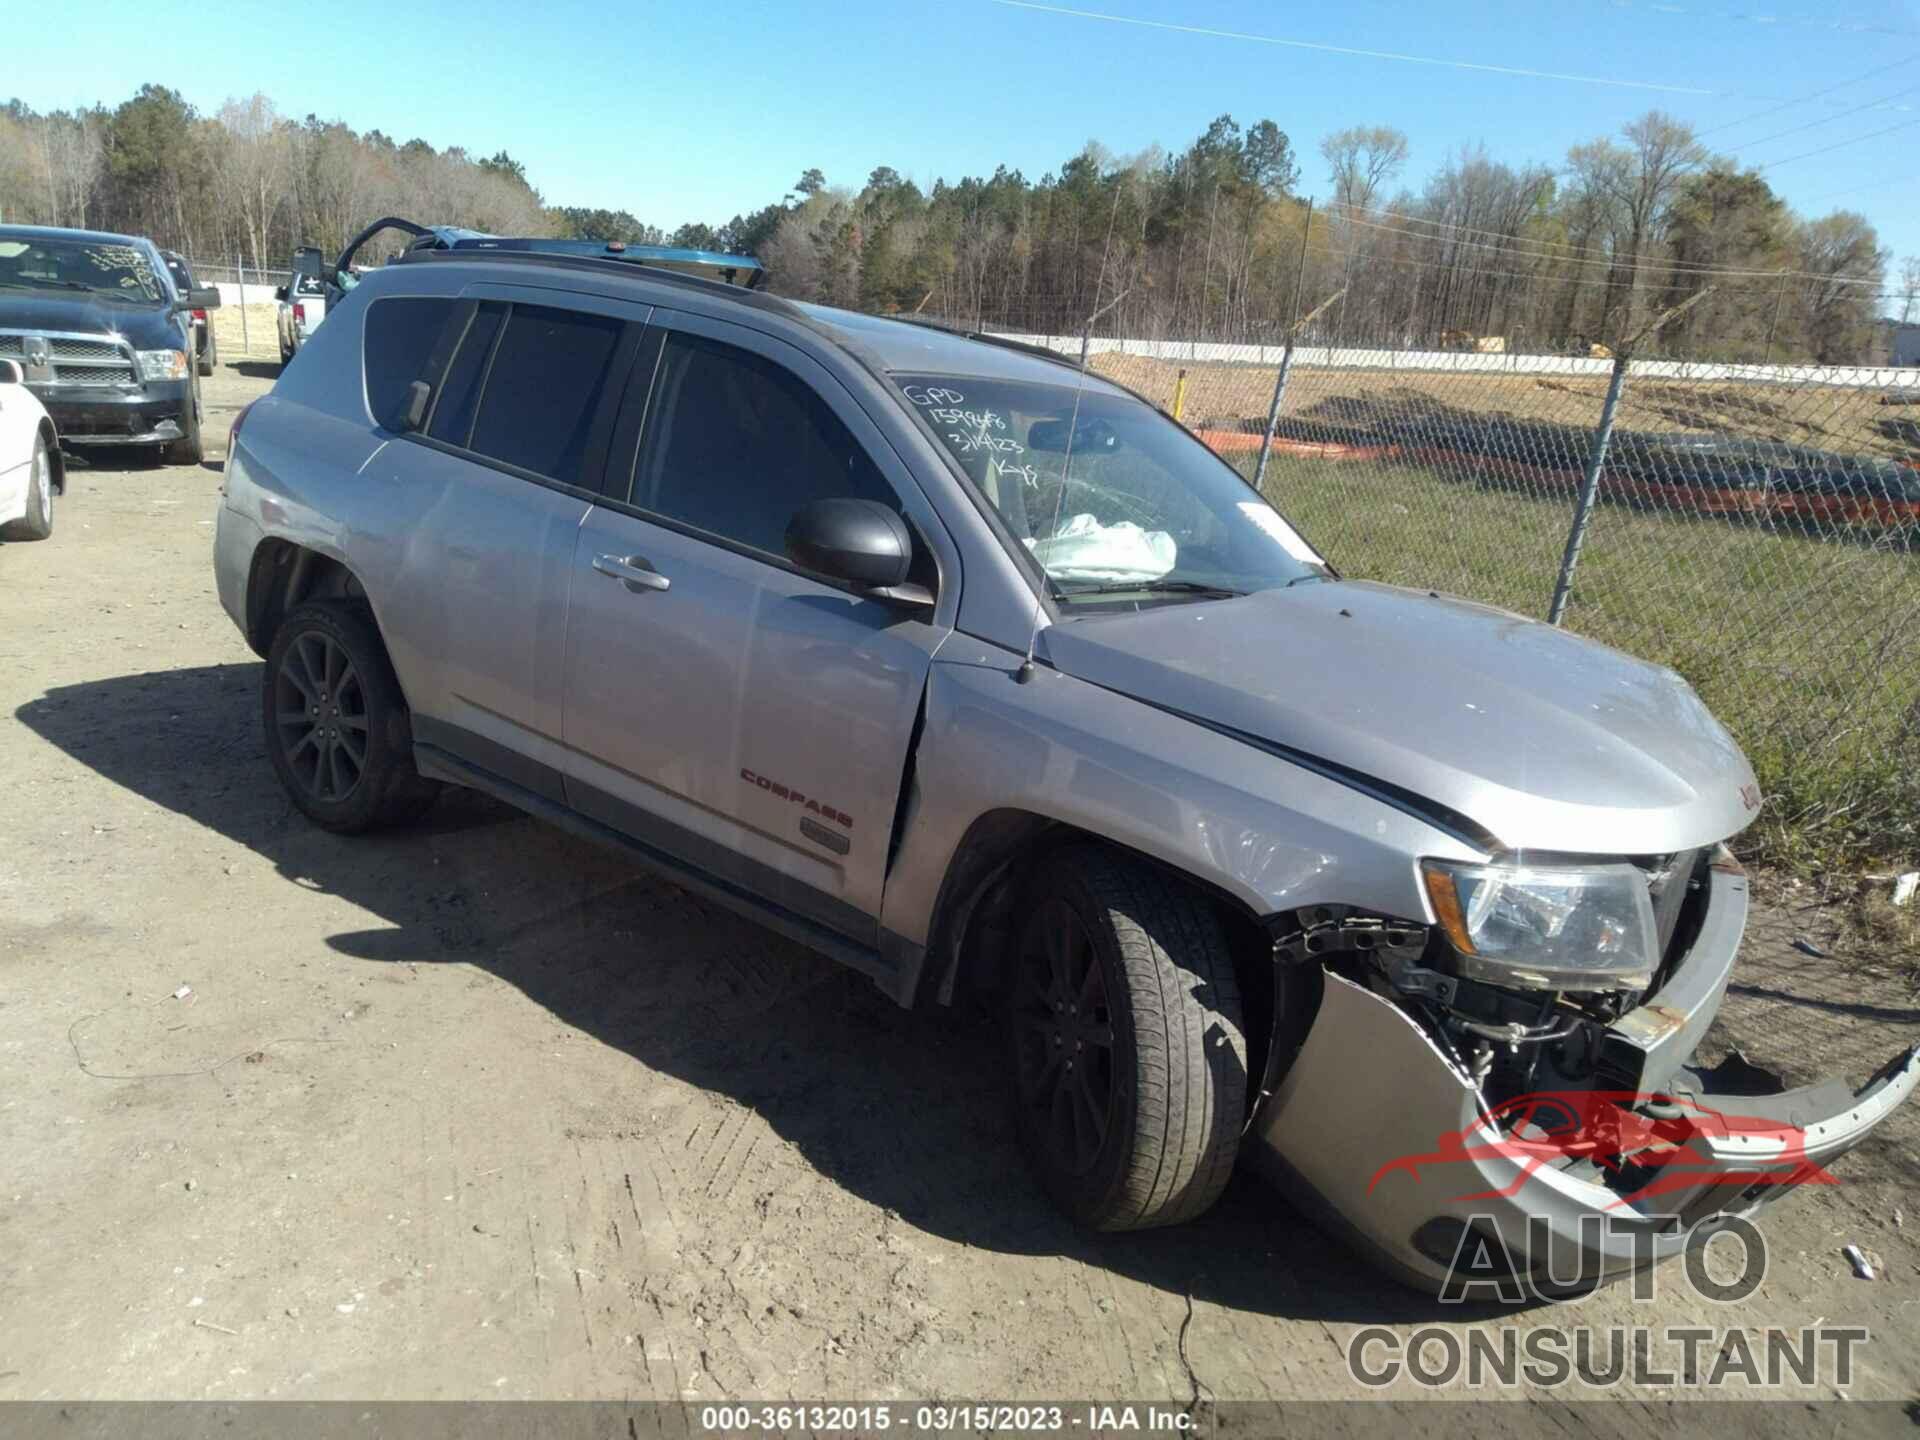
301	304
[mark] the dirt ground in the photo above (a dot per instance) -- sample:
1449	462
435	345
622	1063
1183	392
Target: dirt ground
476	1110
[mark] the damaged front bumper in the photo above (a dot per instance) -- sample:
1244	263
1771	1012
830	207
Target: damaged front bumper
1382	1134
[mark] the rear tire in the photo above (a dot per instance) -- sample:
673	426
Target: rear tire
1128	1060
37	523
337	727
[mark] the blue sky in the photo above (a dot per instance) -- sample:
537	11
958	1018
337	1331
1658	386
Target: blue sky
690	111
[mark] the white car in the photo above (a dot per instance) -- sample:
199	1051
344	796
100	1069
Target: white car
31	469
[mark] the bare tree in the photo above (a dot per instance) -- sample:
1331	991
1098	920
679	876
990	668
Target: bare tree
255	169
1361	160
1909	288
1842	256
1640	180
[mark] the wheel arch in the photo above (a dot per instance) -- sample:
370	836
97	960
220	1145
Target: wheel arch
284	574
971	927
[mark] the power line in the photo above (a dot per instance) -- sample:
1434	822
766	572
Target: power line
1837	145
1824	22
1828	120
1557	253
1805	99
1326	49
1869	185
1538	277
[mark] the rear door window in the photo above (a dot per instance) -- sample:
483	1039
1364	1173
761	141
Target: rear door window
540	404
459	397
735	445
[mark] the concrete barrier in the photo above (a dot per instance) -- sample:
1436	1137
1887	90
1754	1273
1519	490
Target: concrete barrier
1857	377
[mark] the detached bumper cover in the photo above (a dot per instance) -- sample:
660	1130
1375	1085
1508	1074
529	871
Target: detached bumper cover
1380	1133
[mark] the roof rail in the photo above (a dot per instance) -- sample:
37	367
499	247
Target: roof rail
609	265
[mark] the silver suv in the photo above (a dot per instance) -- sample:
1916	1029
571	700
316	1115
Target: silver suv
978	674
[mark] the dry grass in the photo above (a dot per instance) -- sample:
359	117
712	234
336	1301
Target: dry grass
259	328
1807	647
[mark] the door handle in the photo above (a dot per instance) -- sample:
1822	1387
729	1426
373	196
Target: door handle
633	571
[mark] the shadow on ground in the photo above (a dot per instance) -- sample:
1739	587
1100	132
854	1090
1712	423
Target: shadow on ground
112	459
903	1109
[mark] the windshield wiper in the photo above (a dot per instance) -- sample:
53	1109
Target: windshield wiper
45	285
1151	587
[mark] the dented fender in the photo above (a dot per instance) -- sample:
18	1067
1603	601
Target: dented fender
1270	834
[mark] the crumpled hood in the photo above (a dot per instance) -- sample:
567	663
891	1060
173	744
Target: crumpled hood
1544	739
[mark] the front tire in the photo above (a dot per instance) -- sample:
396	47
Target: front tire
37	523
1129	1063
337	727
191	448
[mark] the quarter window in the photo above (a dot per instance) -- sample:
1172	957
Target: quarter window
735	445
400	335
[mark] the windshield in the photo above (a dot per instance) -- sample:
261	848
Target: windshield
1137	511
120	272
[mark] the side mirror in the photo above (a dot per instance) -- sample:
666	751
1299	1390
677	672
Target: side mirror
280	292
204	297
11	373
859	542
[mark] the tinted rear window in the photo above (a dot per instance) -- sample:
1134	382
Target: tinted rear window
400	336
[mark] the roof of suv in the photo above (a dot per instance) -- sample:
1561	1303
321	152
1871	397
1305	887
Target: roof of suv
894	345
909	347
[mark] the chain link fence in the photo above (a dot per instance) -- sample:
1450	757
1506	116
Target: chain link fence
244	324
1757	528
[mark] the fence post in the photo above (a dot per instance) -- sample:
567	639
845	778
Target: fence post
1273	417
1596	462
1286	358
1589	492
1280	384
240	270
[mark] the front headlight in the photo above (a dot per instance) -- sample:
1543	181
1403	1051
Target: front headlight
162	364
1547	927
